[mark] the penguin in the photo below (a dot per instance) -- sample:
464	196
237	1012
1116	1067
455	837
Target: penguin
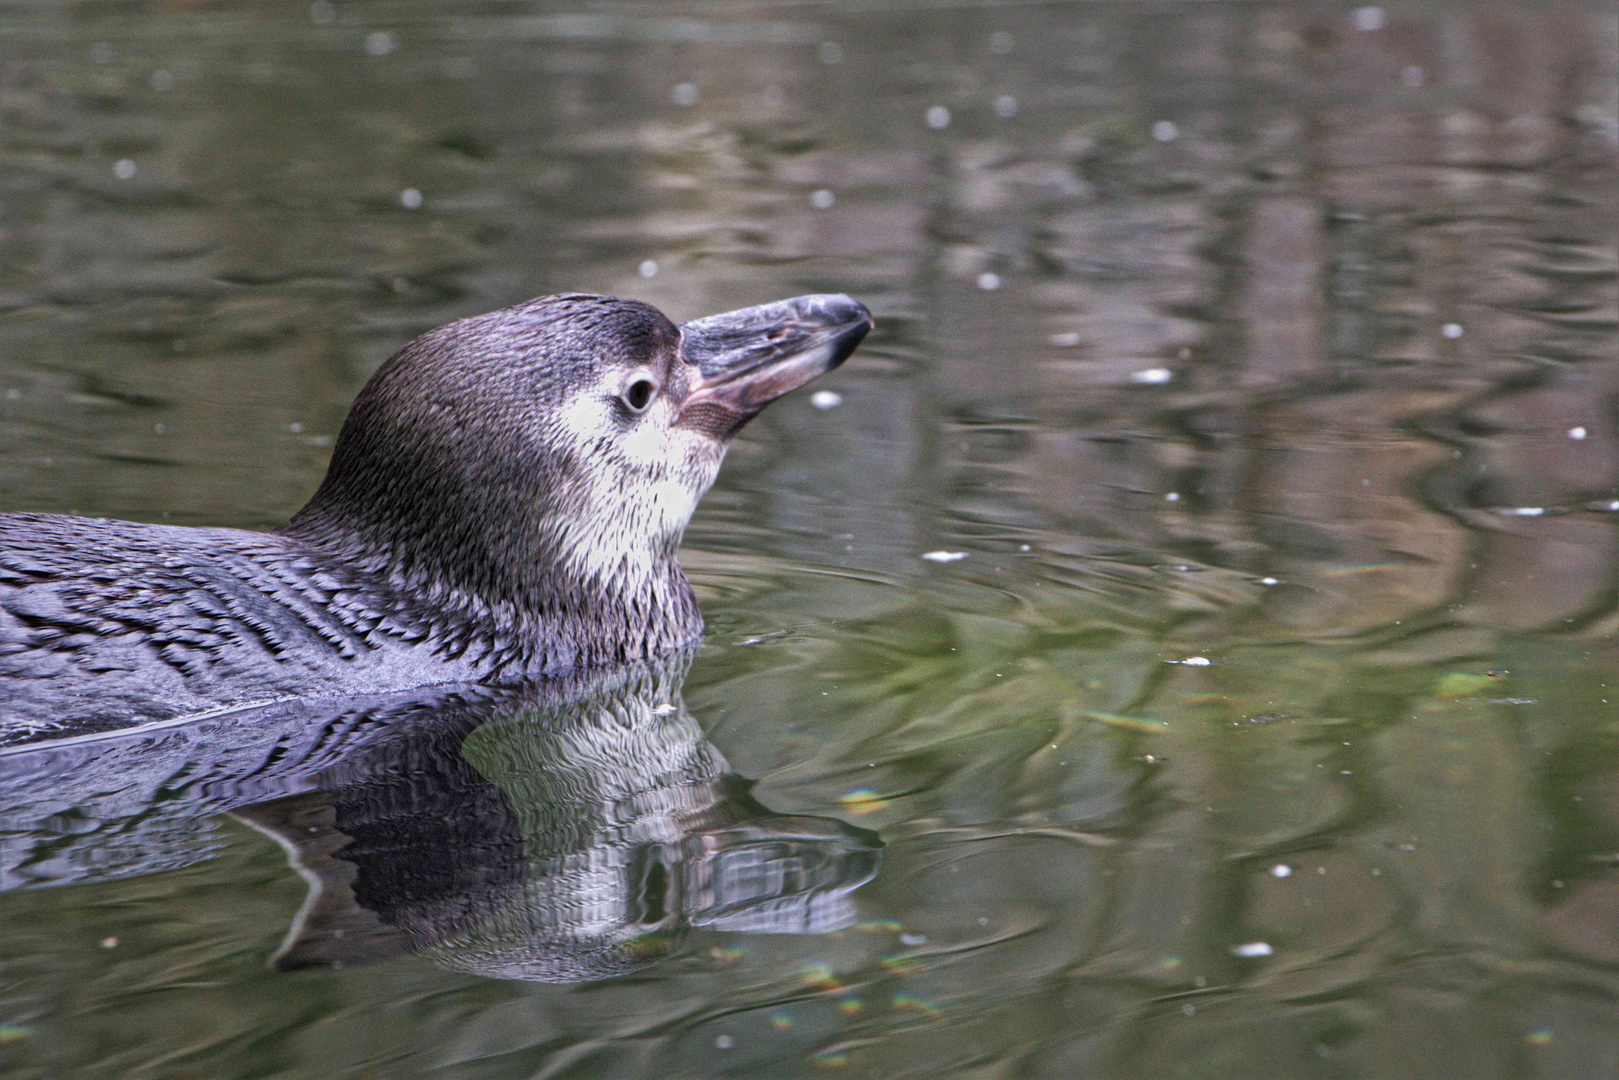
504	502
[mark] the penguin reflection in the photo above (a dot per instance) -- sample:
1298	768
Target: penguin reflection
551	840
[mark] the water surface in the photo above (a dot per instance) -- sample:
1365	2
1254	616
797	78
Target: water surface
1261	361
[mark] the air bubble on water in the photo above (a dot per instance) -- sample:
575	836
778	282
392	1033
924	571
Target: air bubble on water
1370	18
124	169
826	399
1281	870
111	942
1064	341
1194	661
938	117
1172	496
684	94
830	53
1006	106
1153	376
1521	511
411	199
1165	131
989	281
1577	433
944	556
822	199
913	940
380	43
1451	330
1269	581
1252	949
648	268
724	1042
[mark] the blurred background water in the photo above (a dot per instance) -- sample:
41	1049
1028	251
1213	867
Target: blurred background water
1260	360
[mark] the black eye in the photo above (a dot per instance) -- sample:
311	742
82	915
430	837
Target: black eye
639	395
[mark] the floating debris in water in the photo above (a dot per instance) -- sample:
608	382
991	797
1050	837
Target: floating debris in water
937	117
124	169
944	556
1153	376
1252	949
1006	106
1126	723
684	94
1457	684
1192	661
861	801
411	198
822	199
1165	131
826	399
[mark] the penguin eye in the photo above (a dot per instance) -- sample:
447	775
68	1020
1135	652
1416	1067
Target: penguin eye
639	395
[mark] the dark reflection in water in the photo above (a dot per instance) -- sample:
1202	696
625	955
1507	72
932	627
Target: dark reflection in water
555	834
1279	336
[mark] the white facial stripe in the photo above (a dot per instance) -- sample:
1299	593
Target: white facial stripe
637	487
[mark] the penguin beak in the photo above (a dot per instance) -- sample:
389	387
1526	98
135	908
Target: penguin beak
746	359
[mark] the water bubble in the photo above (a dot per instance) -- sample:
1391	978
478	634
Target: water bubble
1194	661
826	399
648	268
938	117
109	943
1577	433
380	43
1165	131
830	53
822	199
1065	341
944	556
1172	496
913	940
295	428
1521	511
988	281
411	199
161	81
1413	76
1281	870
1451	330
322	12
1370	18
1153	376
1269	581
1006	106
724	1042
1000	42
124	169
684	94
1252	949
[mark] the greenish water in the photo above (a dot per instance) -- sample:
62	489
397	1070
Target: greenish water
1261	360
